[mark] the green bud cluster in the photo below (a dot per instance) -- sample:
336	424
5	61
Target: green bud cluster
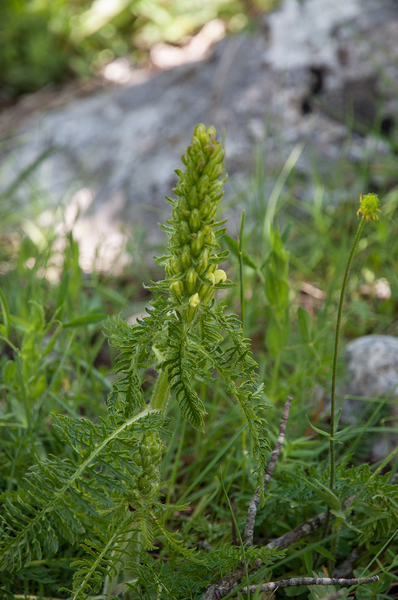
149	458
192	266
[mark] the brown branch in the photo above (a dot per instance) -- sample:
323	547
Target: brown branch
252	511
296	534
284	541
297	581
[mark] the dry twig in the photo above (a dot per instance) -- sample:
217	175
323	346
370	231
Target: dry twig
284	541
252	511
296	581
228	583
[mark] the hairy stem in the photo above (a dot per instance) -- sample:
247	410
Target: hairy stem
132	543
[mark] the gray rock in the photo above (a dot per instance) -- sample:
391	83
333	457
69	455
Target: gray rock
291	83
372	365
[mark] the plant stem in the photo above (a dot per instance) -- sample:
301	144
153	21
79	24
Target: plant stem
242	292
336	348
240	252
176	463
132	543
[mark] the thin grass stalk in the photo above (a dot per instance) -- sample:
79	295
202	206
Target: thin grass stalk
335	354
242	287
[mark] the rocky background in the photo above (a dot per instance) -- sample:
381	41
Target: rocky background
321	74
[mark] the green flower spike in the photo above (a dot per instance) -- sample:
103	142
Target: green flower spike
192	266
369	205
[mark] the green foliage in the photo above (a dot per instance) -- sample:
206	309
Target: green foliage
82	477
115	466
44	43
32	54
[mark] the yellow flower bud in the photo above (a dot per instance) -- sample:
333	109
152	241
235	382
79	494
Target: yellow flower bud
193	199
177	288
177	215
195	220
193	305
208	295
203	290
191	280
183	205
211	132
174	265
220	276
185	257
184	232
194	300
208	148
200	133
202	184
203	262
205	206
197	244
369	205
219	153
211	238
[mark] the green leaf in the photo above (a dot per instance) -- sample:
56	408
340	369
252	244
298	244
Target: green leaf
63	290
20	324
308	561
325	433
286	232
340	514
305	324
6	312
324	552
52	341
233	246
325	494
160	357
86	320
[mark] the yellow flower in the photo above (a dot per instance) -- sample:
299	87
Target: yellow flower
220	276
369	205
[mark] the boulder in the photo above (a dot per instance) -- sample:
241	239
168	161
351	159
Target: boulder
292	81
372	368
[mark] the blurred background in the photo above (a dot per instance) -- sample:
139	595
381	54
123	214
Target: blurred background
53	42
99	99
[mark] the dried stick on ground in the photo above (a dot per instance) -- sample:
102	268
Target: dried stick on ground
252	511
297	581
284	541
